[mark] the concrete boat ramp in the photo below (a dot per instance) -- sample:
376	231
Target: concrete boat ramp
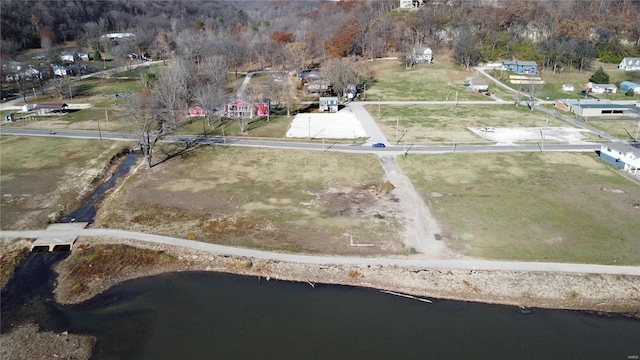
62	239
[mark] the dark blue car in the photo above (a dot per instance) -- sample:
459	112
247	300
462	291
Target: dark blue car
378	145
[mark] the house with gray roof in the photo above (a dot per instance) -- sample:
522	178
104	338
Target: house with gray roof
630	64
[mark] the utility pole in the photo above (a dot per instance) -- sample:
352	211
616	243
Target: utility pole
397	124
309	123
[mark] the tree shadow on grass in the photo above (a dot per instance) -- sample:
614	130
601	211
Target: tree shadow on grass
182	149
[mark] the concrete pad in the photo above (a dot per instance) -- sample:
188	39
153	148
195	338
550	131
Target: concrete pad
507	136
68	226
340	125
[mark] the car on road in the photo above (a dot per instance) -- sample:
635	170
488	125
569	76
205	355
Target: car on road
378	145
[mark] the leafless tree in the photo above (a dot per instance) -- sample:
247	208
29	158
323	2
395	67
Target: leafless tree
172	89
150	123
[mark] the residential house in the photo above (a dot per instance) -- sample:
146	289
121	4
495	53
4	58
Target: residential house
244	108
117	36
520	67
622	155
62	70
601	88
329	104
422	55
628	85
476	84
43	109
630	64
408	4
68	57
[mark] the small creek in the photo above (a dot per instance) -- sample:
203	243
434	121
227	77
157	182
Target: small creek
88	209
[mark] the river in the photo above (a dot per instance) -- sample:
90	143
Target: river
196	315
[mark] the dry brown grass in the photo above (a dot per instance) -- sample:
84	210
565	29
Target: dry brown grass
270	199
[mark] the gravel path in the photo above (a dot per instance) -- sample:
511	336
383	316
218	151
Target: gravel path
454	264
421	229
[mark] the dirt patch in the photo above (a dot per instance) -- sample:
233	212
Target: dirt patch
26	342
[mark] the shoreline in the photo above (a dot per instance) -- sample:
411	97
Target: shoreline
600	293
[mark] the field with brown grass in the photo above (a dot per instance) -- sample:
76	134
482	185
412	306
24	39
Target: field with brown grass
269	199
42	178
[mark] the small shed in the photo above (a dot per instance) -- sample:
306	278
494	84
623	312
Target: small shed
568	87
329	104
477	84
622	155
628	85
197	111
263	107
8	117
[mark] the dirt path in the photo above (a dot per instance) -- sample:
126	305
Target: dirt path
421	229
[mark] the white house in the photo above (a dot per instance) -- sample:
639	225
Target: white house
621	155
601	88
68	57
422	55
61	70
476	84
407	4
116	36
630	64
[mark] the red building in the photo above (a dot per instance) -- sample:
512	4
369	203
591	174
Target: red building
197	111
242	108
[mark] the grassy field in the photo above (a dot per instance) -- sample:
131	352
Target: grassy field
269	199
425	82
40	177
624	129
428	124
544	207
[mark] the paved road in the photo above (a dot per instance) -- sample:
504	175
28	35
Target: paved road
389	150
337	260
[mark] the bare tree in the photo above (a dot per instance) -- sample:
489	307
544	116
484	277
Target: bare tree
150	123
172	89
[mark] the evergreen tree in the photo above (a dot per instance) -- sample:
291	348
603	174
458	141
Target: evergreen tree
96	55
600	76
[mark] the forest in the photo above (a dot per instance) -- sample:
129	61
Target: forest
297	34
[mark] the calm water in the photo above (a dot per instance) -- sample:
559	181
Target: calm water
220	316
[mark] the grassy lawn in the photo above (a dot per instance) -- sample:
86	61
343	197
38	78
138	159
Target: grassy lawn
40	177
271	199
427	124
544	207
425	82
624	129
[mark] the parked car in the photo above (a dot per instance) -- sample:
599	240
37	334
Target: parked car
378	145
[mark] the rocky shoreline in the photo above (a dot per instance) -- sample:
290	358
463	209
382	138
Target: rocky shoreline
96	264
591	292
